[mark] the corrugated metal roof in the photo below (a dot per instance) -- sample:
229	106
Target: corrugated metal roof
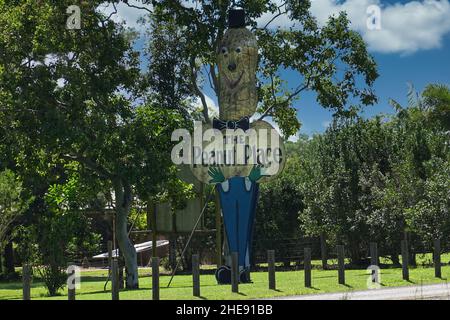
140	247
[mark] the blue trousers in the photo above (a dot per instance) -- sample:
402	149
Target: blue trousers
238	201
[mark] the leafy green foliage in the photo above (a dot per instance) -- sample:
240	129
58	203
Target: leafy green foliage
374	180
429	217
436	98
63	232
77	96
331	60
13	202
277	211
167	68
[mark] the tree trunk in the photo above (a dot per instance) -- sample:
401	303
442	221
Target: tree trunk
124	198
355	254
1	264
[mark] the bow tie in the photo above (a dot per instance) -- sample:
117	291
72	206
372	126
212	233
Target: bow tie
230	124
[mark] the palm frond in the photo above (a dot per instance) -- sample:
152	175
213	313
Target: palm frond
397	106
414	99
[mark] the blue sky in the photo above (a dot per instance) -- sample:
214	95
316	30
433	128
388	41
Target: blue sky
419	68
411	43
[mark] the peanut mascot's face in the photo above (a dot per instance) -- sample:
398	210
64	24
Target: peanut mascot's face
237	63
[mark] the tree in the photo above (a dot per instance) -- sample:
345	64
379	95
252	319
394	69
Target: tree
61	227
277	211
12	203
328	60
380	179
436	98
14	200
342	173
423	130
167	71
429	217
79	91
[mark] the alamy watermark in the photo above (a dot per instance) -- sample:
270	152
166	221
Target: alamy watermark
73	22
374	278
212	147
73	277
373	21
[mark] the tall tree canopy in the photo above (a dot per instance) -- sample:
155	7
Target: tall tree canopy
13	202
377	179
71	95
330	60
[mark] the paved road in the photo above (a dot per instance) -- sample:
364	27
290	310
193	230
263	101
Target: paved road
432	292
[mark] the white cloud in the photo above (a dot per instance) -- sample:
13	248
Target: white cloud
411	27
130	15
61	82
213	108
405	28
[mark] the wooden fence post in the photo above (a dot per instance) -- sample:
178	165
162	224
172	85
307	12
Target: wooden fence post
155	278
374	260
405	260
26	279
234	272
196	275
437	258
341	264
374	254
71	286
110	246
307	263
71	294
271	269
115	280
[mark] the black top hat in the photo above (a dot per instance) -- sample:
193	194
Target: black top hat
236	18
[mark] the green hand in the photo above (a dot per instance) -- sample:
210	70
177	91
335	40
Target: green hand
255	174
216	174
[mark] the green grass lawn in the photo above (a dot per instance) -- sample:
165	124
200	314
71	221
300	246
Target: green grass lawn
288	283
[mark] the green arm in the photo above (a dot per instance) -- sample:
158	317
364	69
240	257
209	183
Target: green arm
255	174
216	174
